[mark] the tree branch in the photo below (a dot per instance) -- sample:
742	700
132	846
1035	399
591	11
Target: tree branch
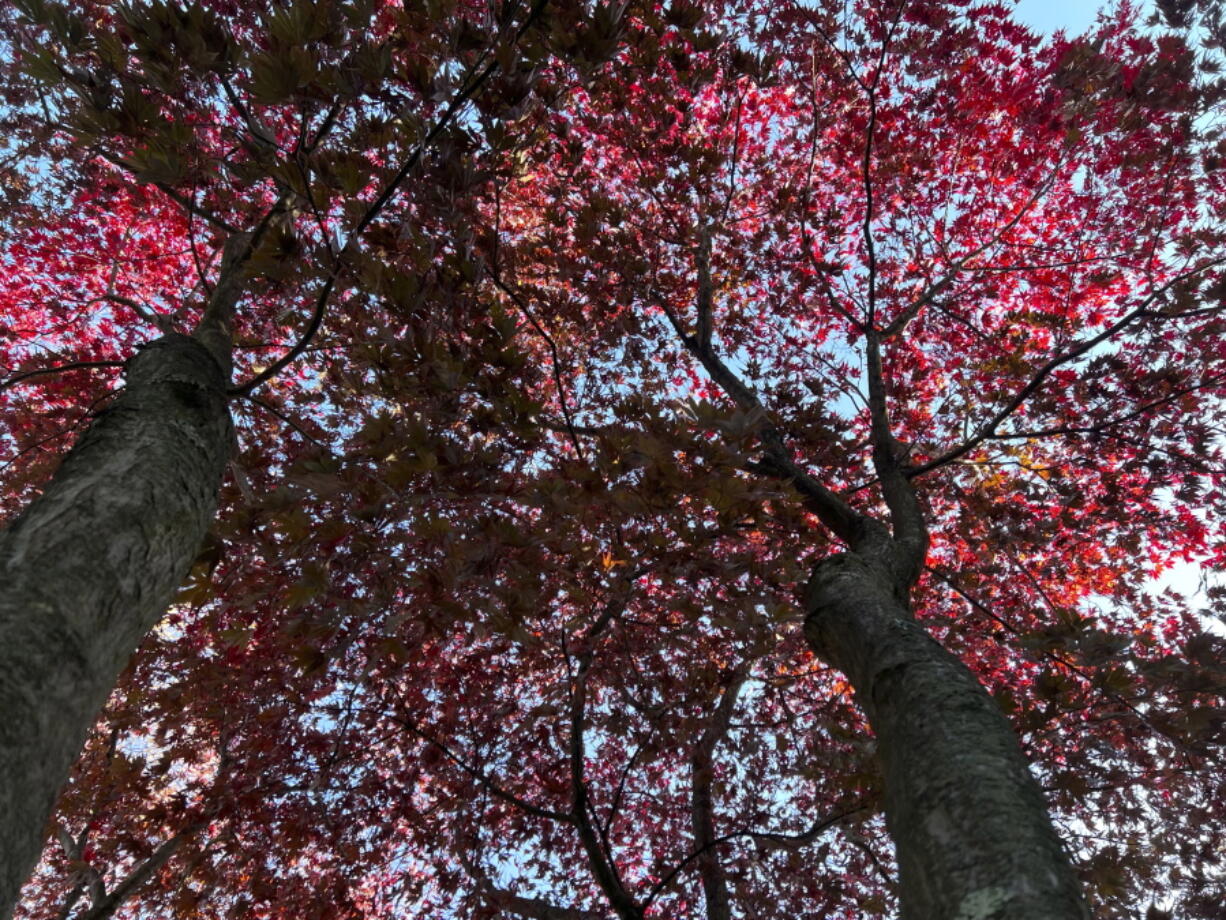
702	807
287	419
847	523
976	604
602	864
988	430
788	840
461	98
487	783
1099	427
75	365
934	290
138	877
554	355
906	513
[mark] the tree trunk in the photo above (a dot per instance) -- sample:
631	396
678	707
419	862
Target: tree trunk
968	820
90	566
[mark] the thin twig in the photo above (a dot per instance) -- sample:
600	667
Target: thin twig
985	432
796	840
75	365
321	302
554	354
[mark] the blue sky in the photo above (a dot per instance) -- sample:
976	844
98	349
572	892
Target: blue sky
1049	15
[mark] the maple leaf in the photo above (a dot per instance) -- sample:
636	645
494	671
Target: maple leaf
596	412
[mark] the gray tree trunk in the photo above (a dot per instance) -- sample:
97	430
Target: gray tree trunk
90	566
968	820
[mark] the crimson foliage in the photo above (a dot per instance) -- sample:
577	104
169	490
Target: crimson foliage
502	544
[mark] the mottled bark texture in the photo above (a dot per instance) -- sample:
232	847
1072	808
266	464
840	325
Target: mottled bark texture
91	565
968	820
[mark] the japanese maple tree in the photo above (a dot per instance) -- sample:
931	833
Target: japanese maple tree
276	132
692	459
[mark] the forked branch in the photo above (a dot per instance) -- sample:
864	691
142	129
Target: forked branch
846	523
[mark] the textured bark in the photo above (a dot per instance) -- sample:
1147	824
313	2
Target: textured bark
969	822
91	565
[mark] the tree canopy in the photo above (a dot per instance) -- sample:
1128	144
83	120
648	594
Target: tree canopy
622	393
